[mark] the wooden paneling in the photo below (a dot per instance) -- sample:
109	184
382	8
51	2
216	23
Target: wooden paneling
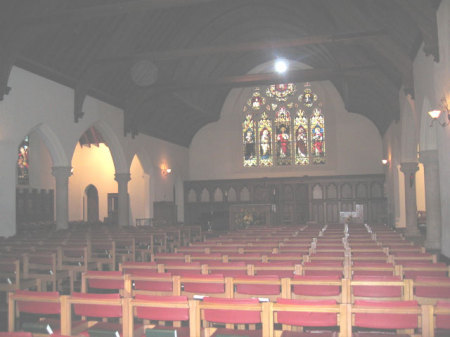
295	200
34	206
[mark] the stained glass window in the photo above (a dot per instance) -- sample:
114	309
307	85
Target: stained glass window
249	140
265	141
23	177
283	126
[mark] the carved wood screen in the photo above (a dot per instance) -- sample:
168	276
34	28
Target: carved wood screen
296	200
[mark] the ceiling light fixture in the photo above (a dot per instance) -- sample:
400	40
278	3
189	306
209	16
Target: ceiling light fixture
165	170
437	113
281	66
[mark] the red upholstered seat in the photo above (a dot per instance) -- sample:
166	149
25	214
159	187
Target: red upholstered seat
170	310
384	316
278	268
324	318
45	306
232	316
212	284
162	313
227	268
368	286
432	287
112	280
316	288
443	320
182	268
259	285
96	310
311	318
46	302
149	281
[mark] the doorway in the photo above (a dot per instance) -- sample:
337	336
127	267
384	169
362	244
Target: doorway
92	203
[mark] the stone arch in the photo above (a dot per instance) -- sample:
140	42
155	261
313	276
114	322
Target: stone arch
331	191
244	194
192	195
138	189
116	148
317	192
232	196
150	170
204	196
346	191
218	194
361	191
53	144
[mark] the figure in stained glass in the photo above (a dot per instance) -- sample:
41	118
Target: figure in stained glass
283	136
283	142
249	141
301	139
265	141
317	137
22	163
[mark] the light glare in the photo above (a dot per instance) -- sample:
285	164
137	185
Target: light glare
281	66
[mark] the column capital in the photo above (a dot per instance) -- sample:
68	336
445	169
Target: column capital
122	177
428	156
61	171
409	167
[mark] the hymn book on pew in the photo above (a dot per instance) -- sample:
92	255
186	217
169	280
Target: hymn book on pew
160	333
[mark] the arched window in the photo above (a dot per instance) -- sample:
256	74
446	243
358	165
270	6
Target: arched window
22	165
283	127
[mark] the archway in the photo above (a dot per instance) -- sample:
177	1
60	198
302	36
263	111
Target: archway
91	194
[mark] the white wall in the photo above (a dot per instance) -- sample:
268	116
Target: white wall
353	143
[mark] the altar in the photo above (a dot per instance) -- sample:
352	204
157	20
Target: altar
246	215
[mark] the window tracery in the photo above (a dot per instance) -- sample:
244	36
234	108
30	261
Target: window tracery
283	127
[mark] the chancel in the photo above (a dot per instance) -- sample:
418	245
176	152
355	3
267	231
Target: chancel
198	167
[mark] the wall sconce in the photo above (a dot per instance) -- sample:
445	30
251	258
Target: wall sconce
165	170
384	161
436	113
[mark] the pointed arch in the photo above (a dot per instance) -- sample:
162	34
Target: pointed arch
138	189
116	148
53	144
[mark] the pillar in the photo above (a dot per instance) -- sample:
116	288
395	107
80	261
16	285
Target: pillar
430	161
123	199
8	179
62	174
409	170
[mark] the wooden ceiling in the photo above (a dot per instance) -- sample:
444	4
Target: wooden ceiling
204	48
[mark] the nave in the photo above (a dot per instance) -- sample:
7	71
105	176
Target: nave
340	280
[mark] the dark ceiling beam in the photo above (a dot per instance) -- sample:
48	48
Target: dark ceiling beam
392	53
118	41
118	8
12	39
251	80
348	11
191	104
423	13
246	47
